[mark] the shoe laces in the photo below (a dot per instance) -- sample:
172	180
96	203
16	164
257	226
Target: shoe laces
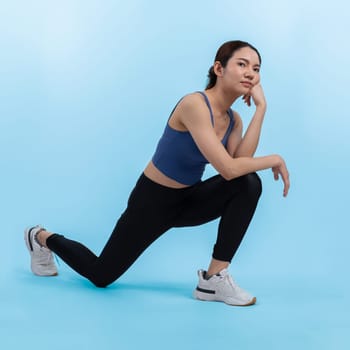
226	276
232	282
44	256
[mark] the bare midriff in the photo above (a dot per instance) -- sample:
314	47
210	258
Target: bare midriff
157	176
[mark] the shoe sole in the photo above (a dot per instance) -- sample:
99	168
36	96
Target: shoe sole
53	275
207	297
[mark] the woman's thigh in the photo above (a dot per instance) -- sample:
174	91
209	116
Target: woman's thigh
209	198
149	214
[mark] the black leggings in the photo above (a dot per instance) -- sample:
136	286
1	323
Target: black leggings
152	210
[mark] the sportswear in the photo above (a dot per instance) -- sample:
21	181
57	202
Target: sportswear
222	287
42	263
152	209
177	155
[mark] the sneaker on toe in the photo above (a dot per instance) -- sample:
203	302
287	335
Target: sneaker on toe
42	262
222	287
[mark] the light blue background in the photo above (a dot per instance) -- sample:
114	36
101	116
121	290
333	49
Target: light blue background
86	88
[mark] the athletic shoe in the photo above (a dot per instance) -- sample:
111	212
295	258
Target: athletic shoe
221	287
42	262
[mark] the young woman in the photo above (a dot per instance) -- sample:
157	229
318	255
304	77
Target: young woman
170	193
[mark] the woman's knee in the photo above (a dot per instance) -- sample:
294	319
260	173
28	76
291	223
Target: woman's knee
100	283
251	185
102	280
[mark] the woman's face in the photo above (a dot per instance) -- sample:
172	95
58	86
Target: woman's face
242	71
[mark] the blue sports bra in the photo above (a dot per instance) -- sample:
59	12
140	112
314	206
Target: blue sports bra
178	157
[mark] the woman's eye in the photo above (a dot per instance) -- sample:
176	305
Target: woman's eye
241	64
257	70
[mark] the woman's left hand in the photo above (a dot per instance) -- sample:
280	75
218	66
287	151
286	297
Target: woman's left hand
257	94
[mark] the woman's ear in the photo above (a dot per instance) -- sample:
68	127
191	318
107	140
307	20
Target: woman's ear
218	68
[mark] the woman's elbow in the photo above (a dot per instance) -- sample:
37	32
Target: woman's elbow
228	173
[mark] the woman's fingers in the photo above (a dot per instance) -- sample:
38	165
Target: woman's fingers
247	99
285	178
286	181
256	94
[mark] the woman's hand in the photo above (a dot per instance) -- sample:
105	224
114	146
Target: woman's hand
281	170
257	94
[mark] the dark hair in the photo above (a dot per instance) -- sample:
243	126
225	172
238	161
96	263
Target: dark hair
224	53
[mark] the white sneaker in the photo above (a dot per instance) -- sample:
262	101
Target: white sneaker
42	262
221	287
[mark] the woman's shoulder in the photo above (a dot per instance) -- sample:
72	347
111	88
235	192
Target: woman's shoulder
192	100
191	107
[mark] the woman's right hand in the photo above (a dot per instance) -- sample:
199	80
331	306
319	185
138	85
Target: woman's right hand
256	93
281	170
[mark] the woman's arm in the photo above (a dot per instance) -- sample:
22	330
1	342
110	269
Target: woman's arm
245	165
249	143
194	115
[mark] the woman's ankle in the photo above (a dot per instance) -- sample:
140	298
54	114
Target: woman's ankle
42	236
216	266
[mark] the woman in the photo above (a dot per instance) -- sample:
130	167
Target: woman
201	129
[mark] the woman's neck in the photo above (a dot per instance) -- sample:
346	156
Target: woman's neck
220	100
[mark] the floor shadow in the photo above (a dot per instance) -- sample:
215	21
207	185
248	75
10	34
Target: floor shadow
71	281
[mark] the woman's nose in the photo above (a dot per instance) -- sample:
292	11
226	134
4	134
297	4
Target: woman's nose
249	73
